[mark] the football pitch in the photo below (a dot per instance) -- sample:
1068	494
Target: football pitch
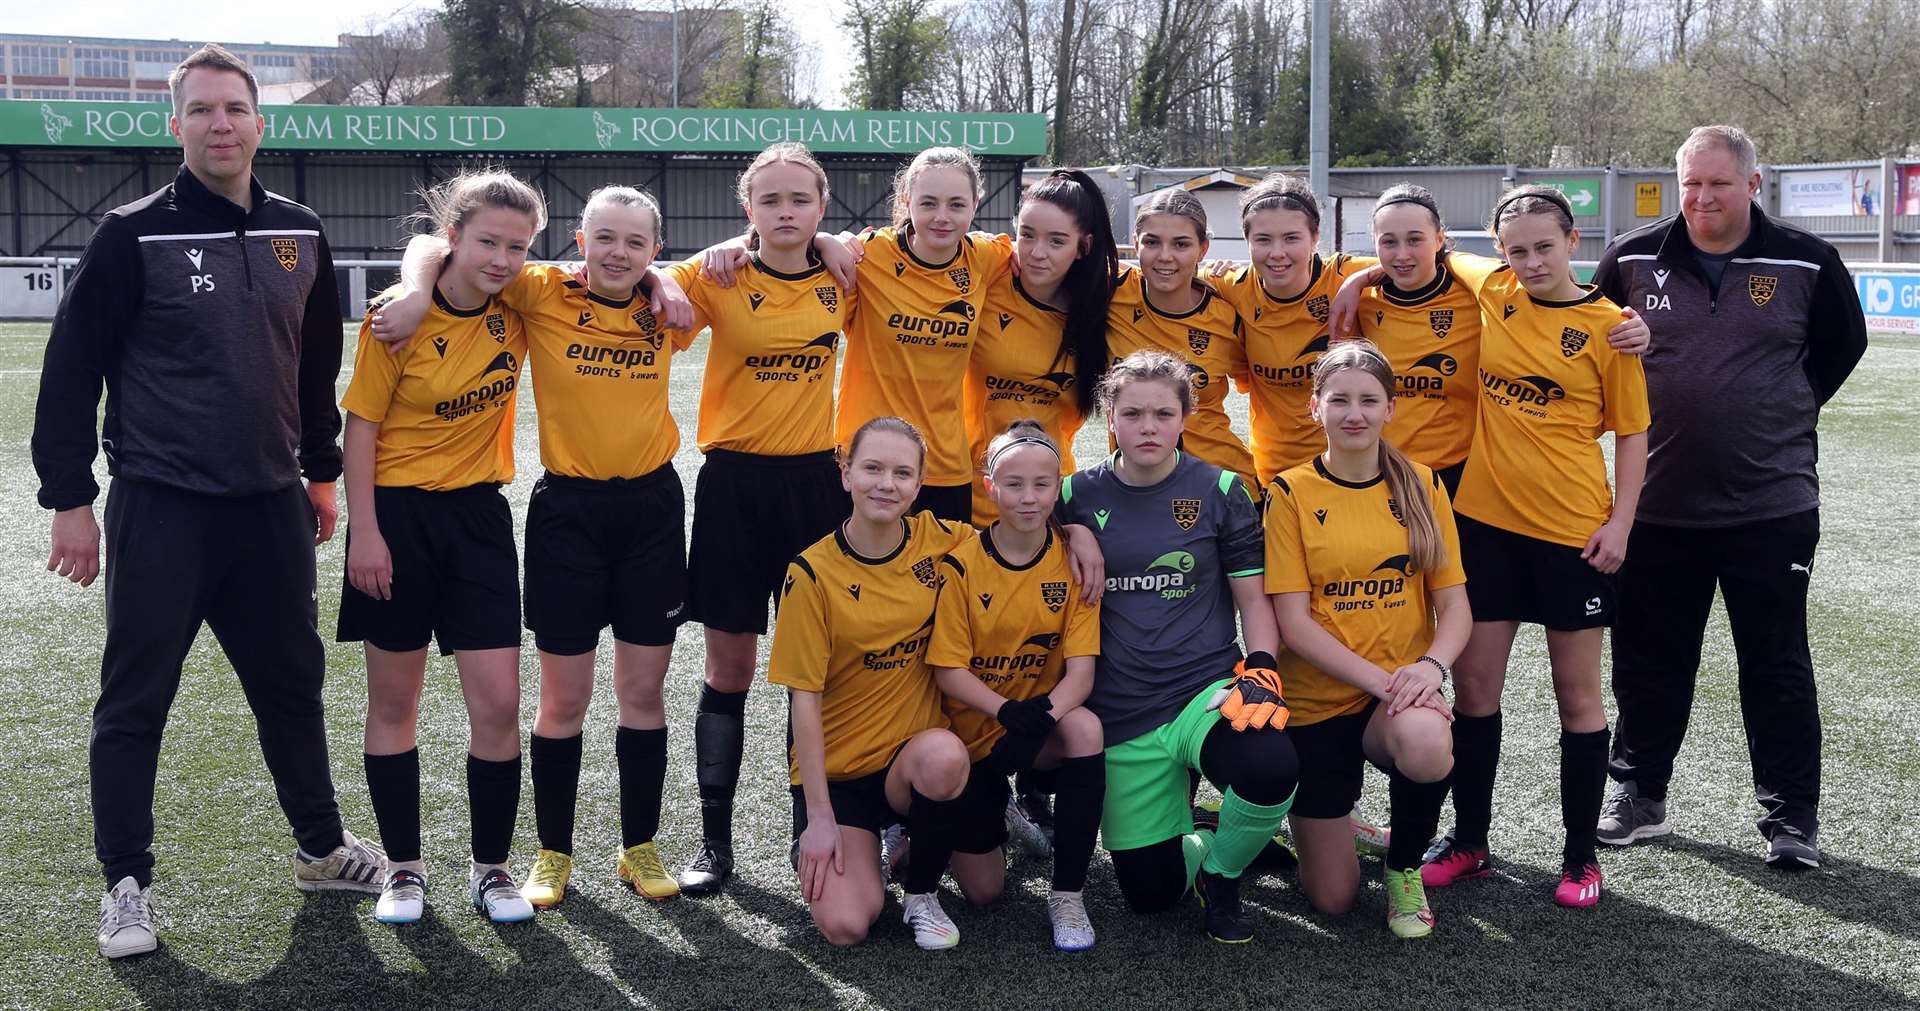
1691	921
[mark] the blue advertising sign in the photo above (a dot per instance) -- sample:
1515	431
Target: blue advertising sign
1891	301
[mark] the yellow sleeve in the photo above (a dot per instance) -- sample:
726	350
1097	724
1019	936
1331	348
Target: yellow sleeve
1623	385
1473	269
1451	572
1345	266
952	644
535	283
996	255
688	276
802	645
1083	626
376	371
1286	550
950	535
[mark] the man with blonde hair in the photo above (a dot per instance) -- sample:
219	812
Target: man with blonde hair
1755	325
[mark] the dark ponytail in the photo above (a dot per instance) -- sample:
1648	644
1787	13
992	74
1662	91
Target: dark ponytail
1089	282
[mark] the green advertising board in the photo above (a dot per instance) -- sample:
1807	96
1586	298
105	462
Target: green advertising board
1583	194
482	130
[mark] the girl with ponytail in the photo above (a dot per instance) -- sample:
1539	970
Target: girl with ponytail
1364	567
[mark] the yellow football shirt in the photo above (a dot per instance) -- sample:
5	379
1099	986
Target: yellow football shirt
909	339
599	376
768	387
1284	340
1549	385
1208	338
1431	337
1345	545
445	405
1013	627
855	630
1018	370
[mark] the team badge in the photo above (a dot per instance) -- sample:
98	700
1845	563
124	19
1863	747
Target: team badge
1441	320
961	279
287	251
1759	287
1571	341
1393	506
1198	340
497	327
829	296
1317	308
1054	595
923	571
643	318
1186	512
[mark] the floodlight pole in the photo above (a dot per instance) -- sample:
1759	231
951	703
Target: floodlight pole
1317	115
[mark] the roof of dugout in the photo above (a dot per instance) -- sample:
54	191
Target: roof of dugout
69	162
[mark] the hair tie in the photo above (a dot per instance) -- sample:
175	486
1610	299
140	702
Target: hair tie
993	458
1404	198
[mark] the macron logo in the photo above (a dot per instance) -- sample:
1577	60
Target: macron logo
195	255
1660	278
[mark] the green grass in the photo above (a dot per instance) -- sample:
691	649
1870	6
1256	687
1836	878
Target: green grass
1694	922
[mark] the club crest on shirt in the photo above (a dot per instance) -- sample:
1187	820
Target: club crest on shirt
643	318
1571	341
287	251
1759	288
1186	512
1054	595
497	327
1441	320
1198	340
923	571
1317	308
962	280
829	296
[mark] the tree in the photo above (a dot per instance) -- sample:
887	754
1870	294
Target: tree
502	52
767	52
391	62
902	46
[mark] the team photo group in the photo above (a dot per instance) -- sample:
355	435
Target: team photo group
983	639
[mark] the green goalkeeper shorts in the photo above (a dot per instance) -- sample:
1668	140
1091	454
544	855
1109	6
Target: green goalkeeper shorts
1149	788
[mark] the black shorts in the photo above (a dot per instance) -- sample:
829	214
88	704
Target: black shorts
1450	478
455	573
981	825
1513	577
1333	761
751	516
857	803
605	553
950	502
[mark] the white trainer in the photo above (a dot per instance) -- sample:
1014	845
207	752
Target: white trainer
932	930
354	866
495	894
126	920
1072	930
404	899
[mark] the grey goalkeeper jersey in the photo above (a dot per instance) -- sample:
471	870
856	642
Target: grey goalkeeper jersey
1167	622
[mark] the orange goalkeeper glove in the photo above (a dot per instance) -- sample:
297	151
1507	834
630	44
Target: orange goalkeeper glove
1253	698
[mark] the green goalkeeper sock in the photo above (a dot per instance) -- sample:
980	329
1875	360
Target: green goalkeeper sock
1244	831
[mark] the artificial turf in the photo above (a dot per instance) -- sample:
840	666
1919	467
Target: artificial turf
1692	921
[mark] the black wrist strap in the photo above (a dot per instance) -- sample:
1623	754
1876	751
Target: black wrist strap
1446	673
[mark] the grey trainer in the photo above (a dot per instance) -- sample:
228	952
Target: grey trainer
1627	817
1791	851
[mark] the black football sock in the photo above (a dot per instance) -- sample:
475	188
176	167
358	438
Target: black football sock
642	756
393	785
555	769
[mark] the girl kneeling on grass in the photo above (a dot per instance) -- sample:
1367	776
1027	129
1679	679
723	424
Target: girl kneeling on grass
1364	566
1013	650
430	552
870	744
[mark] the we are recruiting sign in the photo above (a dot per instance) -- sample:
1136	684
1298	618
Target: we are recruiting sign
502	130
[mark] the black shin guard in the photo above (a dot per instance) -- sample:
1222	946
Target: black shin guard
719	732
1476	761
493	801
1414	818
642	757
393	785
930	828
1082	789
1583	781
555	769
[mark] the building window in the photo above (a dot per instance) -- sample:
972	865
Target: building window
57	93
100	96
39	61
152	96
156	64
100	63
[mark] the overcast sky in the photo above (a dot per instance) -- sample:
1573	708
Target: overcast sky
317	24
